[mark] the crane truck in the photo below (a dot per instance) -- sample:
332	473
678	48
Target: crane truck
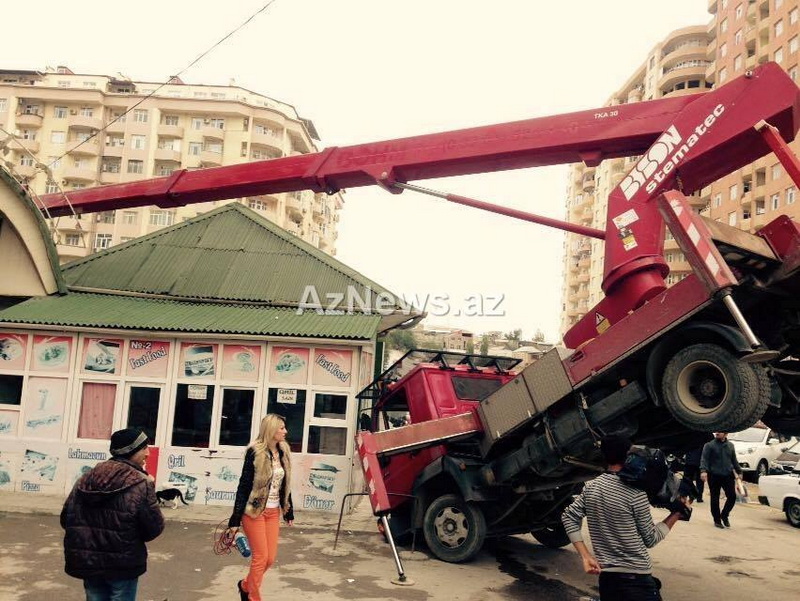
489	451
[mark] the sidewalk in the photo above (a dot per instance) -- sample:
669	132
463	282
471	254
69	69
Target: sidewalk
360	520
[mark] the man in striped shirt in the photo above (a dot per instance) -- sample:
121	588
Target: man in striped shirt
621	528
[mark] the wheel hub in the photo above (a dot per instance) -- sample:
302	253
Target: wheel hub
451	527
703	386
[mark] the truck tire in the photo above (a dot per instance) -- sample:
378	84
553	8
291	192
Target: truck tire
706	388
454	529
553	537
793	512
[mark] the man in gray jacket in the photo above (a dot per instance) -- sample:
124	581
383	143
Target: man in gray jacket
719	467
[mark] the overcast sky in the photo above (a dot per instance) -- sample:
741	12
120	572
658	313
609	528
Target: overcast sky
369	70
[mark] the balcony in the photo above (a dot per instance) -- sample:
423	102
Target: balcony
711	29
113	151
26	171
269	140
118	127
208	157
86	147
583	278
168	154
82	174
214	133
83	122
688	51
711	50
711	73
294	205
585	263
23	145
28	120
68	252
110	177
293	228
170	131
683	73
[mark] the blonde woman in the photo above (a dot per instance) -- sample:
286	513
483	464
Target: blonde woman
262	497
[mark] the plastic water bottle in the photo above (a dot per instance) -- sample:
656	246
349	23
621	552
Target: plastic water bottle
242	544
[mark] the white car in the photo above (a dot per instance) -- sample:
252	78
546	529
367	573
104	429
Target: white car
782	492
756	448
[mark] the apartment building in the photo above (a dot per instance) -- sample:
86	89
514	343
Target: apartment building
75	131
677	65
744	34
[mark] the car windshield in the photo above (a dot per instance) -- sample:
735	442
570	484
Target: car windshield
749	435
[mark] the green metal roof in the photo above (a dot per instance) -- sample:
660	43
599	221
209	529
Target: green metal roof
230	253
78	309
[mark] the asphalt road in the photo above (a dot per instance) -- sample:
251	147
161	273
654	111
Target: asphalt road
755	559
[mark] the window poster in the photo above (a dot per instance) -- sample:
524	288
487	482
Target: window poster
289	365
101	355
332	367
365	369
148	358
241	362
44	407
199	359
12	350
8	423
51	353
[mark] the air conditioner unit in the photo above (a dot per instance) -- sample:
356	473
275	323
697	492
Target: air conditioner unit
73	112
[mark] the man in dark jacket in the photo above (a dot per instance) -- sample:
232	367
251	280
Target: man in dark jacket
108	517
720	468
692	470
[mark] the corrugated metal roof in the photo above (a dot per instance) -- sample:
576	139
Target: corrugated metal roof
126	312
231	253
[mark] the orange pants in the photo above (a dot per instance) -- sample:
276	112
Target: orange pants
262	533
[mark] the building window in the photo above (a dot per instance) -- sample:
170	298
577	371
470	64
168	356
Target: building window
793	73
3	105
58	137
732	218
72	240
199	94
717	200
125	239
738	12
217	123
164	170
161	218
777	172
105	217
171	119
723	50
138	142
793	14
793	45
11	390
26	161
237	412
737	63
723	26
760	208
129	217
215	147
734	192
778	4
779	55
135	166
737	39
779	28
195	148
790	192
723	74
197	123
102	241
87	111
192	422
257	204
140	116
60	112
51	188
115	141
775	201
110	166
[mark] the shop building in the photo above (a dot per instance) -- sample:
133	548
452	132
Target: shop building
192	333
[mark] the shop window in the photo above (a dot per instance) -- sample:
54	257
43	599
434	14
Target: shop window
10	390
326	440
143	409
193	408
290	403
97	410
237	417
330	406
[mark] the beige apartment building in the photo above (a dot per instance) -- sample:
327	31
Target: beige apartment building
677	65
75	131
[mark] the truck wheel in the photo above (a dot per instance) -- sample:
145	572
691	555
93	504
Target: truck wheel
793	512
706	388
454	529
553	537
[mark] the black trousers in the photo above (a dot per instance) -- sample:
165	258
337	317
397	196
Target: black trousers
728	484
620	586
692	472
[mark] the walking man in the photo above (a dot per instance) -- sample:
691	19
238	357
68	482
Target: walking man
719	467
108	517
621	528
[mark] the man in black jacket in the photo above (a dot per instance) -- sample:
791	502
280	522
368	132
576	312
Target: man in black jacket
720	468
108	517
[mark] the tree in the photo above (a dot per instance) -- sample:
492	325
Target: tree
538	336
515	334
484	345
470	347
401	340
